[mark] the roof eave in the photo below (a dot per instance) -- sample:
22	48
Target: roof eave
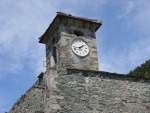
42	39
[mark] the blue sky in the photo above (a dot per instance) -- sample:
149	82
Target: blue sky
123	40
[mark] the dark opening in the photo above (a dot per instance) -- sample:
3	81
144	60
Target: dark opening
78	33
53	41
41	77
54	55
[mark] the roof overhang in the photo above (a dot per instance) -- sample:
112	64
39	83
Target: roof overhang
67	19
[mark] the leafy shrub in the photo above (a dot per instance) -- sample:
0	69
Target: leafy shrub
142	71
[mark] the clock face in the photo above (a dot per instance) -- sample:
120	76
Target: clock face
80	47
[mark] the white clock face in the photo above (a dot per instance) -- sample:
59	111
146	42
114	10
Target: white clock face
80	47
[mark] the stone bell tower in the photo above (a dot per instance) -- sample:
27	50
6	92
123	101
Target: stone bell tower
71	43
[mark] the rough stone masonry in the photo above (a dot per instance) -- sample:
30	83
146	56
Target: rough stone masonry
73	84
80	91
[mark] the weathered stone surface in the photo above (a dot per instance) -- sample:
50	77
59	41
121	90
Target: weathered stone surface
96	92
65	57
33	100
80	91
69	20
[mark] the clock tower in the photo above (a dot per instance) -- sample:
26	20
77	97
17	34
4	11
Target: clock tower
71	43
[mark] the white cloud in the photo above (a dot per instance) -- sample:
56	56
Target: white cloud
19	36
127	59
127	8
136	14
136	49
140	51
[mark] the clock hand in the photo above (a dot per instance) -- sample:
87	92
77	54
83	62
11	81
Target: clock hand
76	48
81	46
78	45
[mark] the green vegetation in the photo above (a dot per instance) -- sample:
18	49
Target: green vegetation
142	71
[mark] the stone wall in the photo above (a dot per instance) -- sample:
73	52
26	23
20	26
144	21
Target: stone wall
33	101
101	92
80	91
